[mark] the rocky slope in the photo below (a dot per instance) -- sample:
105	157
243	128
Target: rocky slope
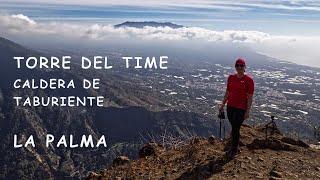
277	157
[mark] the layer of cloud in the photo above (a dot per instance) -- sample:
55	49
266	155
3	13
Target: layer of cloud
297	49
20	24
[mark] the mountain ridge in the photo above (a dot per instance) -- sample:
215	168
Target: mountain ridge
277	157
142	24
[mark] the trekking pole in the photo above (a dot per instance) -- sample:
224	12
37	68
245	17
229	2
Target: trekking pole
224	130
220	129
221	116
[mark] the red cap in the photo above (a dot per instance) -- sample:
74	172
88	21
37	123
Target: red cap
241	61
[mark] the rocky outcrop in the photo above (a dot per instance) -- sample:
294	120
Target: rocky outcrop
120	160
150	149
271	143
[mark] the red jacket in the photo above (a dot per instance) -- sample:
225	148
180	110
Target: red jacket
238	89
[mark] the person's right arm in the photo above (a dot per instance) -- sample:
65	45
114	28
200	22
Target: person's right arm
224	101
226	94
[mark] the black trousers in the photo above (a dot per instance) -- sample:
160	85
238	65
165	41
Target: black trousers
236	118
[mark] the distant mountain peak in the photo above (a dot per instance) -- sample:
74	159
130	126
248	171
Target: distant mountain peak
143	24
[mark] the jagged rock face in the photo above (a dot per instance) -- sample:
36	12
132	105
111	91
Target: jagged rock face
260	158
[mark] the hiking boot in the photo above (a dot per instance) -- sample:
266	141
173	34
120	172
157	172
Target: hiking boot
232	153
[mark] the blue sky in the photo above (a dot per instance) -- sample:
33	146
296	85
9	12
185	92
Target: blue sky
295	17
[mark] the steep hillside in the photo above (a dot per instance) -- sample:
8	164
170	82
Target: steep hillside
275	158
123	124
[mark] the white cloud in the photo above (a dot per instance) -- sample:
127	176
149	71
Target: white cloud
16	23
23	18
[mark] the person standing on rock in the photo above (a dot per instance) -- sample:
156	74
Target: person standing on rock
238	97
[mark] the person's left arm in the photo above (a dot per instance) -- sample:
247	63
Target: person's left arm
249	103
